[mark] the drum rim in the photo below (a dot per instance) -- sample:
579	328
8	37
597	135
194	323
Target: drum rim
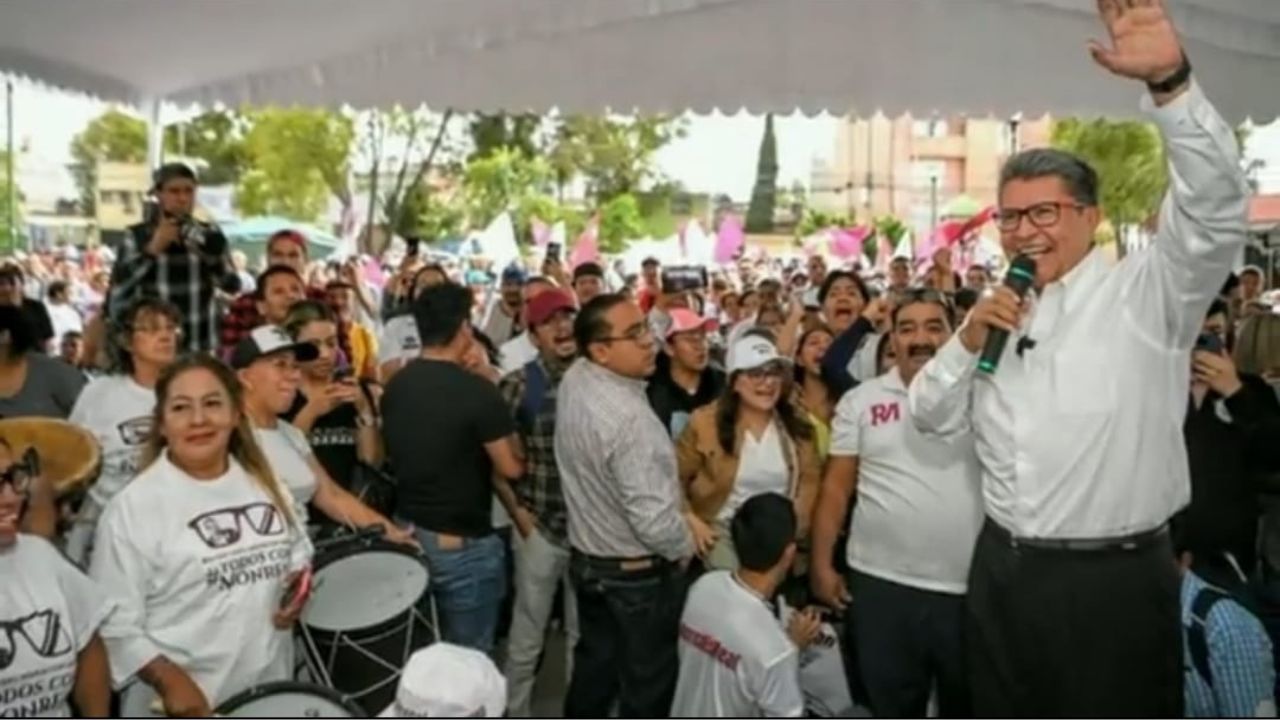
234	702
341	551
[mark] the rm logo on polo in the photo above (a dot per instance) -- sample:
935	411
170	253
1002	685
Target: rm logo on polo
885	413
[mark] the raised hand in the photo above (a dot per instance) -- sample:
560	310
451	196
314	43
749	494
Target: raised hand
1144	43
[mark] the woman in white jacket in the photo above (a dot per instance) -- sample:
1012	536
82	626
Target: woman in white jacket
199	554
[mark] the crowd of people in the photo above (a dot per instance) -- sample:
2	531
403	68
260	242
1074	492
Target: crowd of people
765	489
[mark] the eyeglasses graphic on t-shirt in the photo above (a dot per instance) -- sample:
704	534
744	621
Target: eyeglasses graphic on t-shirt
41	631
135	431
224	527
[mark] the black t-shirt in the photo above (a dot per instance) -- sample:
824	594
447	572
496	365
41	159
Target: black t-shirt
333	438
436	420
38	315
672	403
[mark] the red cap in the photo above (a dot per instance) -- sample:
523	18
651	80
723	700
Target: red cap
292	236
546	304
683	321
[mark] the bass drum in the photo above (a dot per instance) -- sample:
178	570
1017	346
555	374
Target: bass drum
289	700
369	610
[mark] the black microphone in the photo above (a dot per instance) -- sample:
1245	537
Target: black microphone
1021	275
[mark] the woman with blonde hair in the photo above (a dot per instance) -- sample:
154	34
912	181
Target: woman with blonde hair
202	554
1257	349
267	365
750	441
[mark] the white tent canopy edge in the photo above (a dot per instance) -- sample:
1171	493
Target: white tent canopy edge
956	56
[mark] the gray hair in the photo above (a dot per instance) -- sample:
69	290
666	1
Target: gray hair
1080	179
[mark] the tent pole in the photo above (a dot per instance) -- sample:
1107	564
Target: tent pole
12	199
155	134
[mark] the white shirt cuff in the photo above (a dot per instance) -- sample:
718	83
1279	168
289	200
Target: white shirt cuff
954	362
1177	117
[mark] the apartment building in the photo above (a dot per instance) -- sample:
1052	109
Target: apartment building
912	168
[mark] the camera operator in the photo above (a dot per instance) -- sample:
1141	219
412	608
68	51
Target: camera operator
176	258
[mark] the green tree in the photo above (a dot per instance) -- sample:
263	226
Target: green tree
113	136
501	182
491	132
620	221
215	137
9	240
297	157
1129	158
403	147
615	156
816	220
439	216
764	195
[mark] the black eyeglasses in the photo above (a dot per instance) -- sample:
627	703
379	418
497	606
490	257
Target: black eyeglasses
769	371
637	334
222	528
43	632
19	477
1041	215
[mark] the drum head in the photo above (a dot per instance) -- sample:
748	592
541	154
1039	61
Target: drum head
364	586
289	700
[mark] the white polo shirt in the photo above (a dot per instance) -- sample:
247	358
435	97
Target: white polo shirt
919	505
735	658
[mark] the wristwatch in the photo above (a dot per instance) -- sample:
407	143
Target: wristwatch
366	421
1174	81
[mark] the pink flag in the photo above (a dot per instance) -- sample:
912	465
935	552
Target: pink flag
729	239
587	248
846	243
540	231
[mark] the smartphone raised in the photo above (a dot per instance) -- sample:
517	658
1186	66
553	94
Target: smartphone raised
1210	343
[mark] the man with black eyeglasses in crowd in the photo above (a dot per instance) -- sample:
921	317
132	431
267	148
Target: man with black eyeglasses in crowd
629	542
177	258
1073	604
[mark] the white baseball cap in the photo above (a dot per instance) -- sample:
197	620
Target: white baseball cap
752	351
445	680
267	340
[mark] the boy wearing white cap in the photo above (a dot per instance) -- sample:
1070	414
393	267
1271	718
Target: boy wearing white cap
444	680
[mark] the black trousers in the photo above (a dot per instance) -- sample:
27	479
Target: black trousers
628	623
1074	633
906	640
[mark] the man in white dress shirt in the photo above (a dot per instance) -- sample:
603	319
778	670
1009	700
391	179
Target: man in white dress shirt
1073	605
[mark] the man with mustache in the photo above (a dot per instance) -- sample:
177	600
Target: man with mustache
1073	604
917	514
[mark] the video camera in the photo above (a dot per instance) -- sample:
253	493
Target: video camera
683	278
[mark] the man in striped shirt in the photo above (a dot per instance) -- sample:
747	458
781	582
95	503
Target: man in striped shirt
629	542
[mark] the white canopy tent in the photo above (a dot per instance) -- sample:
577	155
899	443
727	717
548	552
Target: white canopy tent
971	56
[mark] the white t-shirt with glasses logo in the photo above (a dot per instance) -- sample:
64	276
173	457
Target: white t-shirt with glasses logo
196	569
287	450
118	411
49	612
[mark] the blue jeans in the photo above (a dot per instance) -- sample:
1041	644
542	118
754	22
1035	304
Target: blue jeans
468	582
